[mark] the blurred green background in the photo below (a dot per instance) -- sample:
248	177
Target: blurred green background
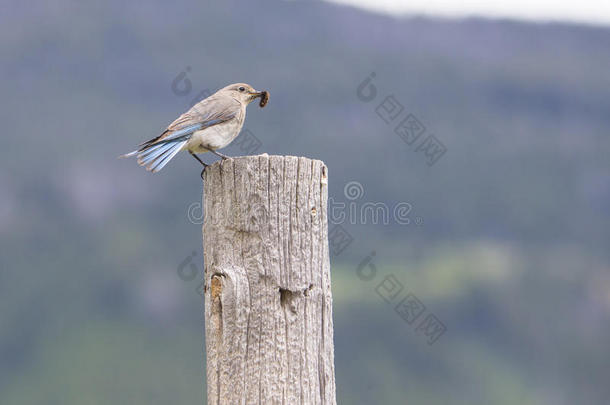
512	254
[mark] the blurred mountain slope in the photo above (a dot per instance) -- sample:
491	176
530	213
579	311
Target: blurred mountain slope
90	244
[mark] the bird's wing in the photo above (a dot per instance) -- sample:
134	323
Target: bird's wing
209	112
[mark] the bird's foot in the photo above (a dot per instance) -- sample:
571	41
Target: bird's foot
200	161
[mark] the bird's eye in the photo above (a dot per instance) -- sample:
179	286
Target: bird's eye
242	89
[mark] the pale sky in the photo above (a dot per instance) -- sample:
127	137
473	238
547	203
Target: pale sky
587	11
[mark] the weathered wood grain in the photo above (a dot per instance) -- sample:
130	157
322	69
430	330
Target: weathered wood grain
268	302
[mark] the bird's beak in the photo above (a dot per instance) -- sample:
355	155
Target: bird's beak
264	95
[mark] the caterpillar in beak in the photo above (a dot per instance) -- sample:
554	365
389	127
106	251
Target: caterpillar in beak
264	99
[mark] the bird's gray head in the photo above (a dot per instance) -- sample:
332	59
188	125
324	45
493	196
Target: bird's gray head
242	92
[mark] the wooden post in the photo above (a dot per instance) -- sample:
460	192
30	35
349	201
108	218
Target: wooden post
268	303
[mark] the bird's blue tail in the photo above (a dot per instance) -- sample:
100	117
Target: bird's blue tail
154	157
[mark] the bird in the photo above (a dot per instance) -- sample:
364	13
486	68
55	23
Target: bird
211	124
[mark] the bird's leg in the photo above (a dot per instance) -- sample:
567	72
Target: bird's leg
219	154
200	161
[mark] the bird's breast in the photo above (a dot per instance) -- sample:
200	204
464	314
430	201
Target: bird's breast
215	137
